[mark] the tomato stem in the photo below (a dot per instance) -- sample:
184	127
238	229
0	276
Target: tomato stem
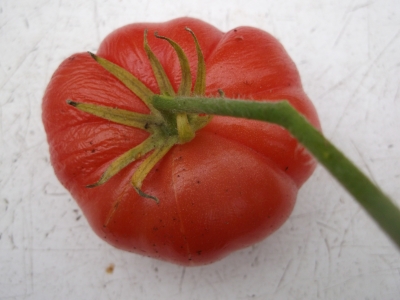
369	196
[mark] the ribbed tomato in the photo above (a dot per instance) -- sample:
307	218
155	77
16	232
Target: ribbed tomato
232	185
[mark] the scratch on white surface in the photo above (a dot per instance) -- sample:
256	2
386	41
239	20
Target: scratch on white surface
346	231
389	264
211	285
397	95
7	229
322	224
338	38
1	137
3	71
51	190
348	16
21	61
4	207
360	6
28	263
341	82
323	73
371	65
364	275
282	279
96	20
27	127
328	248
181	279
9	179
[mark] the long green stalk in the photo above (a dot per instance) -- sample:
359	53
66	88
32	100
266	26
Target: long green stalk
374	201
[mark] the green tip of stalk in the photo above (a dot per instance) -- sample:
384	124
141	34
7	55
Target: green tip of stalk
144	195
90	186
94	56
72	103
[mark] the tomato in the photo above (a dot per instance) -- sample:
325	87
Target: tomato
232	185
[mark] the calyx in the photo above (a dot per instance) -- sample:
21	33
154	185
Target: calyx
166	129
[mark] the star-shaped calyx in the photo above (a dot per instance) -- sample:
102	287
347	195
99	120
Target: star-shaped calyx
166	128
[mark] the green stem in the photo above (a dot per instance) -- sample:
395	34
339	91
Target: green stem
374	201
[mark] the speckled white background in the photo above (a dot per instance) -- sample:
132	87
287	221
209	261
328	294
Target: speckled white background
348	53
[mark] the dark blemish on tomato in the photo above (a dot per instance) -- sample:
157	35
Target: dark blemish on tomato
286	169
235	30
199	252
155	228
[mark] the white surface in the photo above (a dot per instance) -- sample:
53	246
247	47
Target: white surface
348	53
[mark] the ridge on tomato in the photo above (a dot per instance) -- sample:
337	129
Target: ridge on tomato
220	184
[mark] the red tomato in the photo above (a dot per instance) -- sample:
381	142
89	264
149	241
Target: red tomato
231	186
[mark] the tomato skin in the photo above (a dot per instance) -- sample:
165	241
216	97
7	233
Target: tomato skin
234	184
